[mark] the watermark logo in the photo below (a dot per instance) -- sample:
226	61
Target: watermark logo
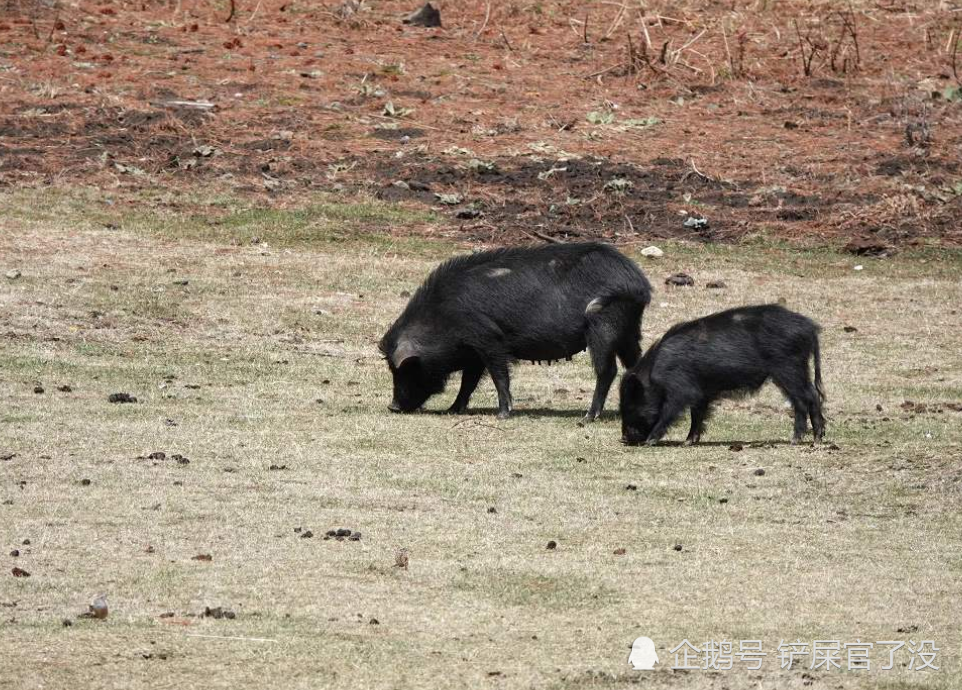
643	656
819	654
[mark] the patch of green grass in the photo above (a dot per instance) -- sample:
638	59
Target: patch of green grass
559	592
219	218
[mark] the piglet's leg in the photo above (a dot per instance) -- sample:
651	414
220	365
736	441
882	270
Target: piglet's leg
670	409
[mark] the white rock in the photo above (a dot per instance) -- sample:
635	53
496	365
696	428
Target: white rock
859	267
13	274
652	252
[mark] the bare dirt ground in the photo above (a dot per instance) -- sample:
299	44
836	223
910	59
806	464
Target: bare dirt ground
816	121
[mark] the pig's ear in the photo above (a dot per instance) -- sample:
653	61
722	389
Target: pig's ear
635	383
405	351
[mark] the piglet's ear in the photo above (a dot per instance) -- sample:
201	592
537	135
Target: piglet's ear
406	351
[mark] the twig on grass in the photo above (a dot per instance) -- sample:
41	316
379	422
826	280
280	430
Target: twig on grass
484	24
233	11
695	171
504	38
477	423
254	13
616	23
231	637
957	33
541	236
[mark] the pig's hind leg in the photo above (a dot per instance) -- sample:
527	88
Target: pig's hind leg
498	368
602	349
612	330
794	383
699	415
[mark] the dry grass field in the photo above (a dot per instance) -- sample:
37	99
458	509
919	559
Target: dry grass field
248	337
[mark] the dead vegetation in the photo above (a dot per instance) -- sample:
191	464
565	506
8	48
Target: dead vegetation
516	554
797	96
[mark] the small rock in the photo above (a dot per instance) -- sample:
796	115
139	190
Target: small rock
374	621
403	293
307	535
26	542
330	532
85	482
652	252
342	532
15	553
65	389
677	547
680	280
696	223
205	557
631	487
850	329
552	545
355	537
38	390
66	622
716	285
620	552
275	468
760	472
735	447
20	572
121	398
492	510
180	459
428	16
13	274
723	500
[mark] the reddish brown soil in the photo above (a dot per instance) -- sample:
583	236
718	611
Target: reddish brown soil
865	149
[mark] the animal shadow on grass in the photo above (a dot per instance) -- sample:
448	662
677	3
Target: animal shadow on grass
720	444
533	412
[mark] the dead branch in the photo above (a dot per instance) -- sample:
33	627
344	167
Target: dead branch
233	11
955	51
484	24
504	38
541	236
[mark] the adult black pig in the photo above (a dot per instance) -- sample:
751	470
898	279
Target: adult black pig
483	311
732	351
